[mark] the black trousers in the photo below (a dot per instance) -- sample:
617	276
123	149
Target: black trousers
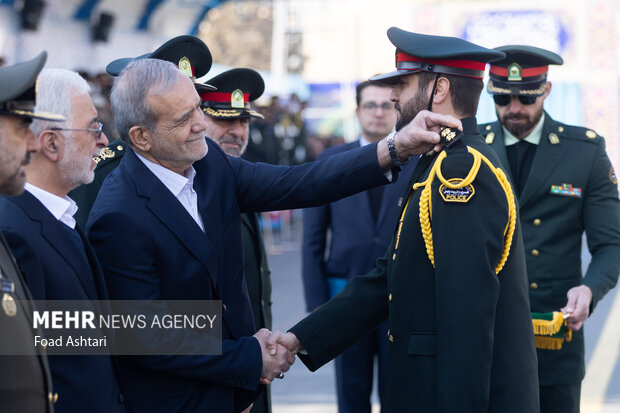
560	399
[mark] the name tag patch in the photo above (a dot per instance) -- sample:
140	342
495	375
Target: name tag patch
463	194
565	190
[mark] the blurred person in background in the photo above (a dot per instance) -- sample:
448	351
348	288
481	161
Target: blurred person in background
343	239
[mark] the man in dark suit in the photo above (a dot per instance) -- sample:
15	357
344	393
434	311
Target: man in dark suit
228	124
58	261
453	283
359	229
193	58
566	185
26	384
174	204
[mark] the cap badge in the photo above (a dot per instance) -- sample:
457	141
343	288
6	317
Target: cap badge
514	73
236	99
186	67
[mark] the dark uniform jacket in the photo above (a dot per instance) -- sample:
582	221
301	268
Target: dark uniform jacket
85	195
553	225
258	281
151	248
56	270
25	382
460	335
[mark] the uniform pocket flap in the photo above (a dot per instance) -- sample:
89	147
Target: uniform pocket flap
423	344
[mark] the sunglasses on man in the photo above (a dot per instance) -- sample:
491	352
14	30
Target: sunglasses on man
503	100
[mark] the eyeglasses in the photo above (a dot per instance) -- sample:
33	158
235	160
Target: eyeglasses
372	106
503	100
98	130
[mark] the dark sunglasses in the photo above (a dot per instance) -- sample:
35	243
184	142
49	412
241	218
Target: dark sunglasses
503	100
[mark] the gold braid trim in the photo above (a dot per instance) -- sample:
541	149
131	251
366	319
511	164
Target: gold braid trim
426	203
548	327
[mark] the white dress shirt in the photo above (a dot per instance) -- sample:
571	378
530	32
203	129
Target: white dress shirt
62	209
182	187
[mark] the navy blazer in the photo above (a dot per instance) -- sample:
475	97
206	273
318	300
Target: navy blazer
55	270
357	240
151	248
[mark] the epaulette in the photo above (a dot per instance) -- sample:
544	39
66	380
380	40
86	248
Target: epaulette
573	132
114	150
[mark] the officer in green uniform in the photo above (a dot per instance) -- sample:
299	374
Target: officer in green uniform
193	58
566	185
228	114
25	380
452	284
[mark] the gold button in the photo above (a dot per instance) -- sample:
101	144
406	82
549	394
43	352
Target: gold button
55	397
394	257
488	127
390	297
50	397
591	134
533	286
390	337
537	222
560	128
119	148
535	253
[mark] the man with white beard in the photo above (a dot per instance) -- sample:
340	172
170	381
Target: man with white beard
57	260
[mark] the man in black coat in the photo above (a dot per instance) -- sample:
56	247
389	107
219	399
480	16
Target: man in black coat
26	384
566	185
453	284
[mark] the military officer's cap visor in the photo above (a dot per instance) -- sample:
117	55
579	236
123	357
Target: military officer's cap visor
190	54
436	54
18	90
522	72
236	88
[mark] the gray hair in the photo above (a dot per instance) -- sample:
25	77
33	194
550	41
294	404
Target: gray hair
128	97
55	87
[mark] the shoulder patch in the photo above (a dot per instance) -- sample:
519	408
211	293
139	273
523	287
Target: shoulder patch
463	194
612	176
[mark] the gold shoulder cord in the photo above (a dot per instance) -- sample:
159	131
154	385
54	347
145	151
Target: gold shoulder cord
426	203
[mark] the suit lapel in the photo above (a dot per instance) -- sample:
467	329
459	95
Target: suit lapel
59	239
545	161
169	211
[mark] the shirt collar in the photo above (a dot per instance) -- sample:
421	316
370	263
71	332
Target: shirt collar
171	180
62	209
533	137
363	141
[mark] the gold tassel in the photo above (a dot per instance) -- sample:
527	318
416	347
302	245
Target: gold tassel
548	327
549	343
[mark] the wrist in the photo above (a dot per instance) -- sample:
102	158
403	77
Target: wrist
397	160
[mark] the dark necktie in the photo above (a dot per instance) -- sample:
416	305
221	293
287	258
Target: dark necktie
520	158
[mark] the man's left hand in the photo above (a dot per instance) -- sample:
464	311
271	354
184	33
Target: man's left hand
578	305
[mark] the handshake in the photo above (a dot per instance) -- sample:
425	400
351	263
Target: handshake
278	352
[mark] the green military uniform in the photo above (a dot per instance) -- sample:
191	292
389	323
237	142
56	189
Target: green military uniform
566	186
109	158
460	335
258	281
553	221
26	383
25	379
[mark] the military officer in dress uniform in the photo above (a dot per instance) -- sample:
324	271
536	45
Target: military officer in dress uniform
25	380
566	185
193	58
228	114
452	284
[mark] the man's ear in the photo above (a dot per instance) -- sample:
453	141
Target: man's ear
52	144
442	91
141	138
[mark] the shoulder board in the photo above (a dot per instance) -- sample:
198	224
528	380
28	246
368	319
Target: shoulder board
115	150
574	132
489	131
